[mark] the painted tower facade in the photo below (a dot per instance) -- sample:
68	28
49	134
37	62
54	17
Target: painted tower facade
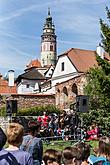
48	43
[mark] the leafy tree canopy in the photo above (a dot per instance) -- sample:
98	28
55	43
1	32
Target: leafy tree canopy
98	84
105	32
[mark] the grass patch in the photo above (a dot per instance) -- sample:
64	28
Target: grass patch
60	145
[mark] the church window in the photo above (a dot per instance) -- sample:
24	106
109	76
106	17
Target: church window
74	89
51	47
58	90
65	91
27	86
65	97
43	60
58	97
62	66
44	47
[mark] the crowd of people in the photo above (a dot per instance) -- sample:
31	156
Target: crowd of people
66	126
27	149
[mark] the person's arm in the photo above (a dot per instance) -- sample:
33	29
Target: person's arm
3	138
40	150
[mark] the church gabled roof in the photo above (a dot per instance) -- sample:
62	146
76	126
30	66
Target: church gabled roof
83	60
32	74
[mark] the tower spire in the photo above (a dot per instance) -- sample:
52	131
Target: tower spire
48	11
48	42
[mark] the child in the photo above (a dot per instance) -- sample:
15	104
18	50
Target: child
72	156
52	157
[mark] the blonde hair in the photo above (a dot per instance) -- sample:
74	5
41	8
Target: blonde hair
15	133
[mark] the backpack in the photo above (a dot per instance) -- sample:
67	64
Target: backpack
9	159
94	160
31	145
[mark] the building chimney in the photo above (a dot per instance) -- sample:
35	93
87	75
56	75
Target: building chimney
11	78
100	51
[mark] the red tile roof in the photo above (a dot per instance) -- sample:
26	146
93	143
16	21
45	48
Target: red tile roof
5	89
34	63
83	60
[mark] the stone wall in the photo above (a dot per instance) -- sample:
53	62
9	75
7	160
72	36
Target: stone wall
30	100
65	98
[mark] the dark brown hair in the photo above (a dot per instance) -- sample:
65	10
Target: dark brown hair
69	153
85	150
104	145
52	155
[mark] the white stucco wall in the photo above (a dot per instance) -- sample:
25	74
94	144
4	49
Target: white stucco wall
22	87
48	90
23	90
68	73
50	72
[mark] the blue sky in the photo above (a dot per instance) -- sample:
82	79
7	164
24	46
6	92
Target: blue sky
21	24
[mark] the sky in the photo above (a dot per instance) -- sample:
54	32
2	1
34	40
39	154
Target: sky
21	27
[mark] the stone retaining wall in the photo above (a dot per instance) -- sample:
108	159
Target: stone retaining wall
29	100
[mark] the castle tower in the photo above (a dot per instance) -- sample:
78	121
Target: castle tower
48	43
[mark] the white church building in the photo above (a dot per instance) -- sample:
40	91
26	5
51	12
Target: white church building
46	75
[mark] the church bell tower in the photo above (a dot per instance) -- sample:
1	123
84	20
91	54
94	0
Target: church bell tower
48	43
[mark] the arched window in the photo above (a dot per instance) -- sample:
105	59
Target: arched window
44	48
51	47
58	90
65	97
65	91
74	89
58	97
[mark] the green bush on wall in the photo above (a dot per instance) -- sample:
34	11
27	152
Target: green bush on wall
38	111
3	111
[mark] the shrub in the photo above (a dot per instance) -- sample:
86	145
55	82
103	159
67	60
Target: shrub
3	111
38	111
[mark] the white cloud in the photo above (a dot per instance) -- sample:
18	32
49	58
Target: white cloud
72	17
16	35
82	1
14	59
16	13
21	53
75	42
83	24
35	7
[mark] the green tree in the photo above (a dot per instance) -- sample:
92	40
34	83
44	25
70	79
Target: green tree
105	32
98	84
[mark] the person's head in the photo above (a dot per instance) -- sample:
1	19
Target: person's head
3	138
85	150
71	156
52	157
104	146
44	113
34	127
15	133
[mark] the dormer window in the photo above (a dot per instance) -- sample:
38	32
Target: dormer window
27	85
62	66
